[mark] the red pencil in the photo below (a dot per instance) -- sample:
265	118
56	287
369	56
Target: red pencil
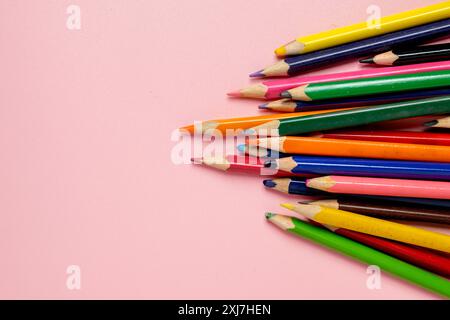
242	164
442	139
421	257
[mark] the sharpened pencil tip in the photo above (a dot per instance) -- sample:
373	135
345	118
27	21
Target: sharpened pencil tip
263	106
269	215
270	164
242	148
197	160
234	94
368	60
257	74
280	52
431	123
269	183
289	206
286	94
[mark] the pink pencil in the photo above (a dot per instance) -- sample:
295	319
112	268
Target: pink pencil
382	187
272	89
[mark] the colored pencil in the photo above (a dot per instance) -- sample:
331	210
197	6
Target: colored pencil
288	105
400	57
365	30
317	165
271	89
239	164
354	148
297	186
439	123
430	138
241	123
373	226
294	65
387	209
362	253
353	117
382	186
369	86
420	257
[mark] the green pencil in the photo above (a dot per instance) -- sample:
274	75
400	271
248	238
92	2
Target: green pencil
369	86
363	253
354	117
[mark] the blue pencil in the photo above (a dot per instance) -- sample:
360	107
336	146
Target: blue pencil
412	36
318	165
287	105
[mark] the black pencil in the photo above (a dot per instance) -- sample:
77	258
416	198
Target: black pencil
400	57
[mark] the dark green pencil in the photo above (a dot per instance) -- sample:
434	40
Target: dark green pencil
354	117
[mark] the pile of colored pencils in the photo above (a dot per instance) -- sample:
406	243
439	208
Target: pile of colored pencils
351	141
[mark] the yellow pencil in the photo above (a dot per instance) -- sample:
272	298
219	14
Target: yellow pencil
373	226
365	30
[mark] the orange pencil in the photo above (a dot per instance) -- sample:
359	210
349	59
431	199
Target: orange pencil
354	148
247	122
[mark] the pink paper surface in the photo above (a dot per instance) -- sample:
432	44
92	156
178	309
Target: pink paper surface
86	176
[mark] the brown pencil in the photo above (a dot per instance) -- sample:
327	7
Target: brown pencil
388	210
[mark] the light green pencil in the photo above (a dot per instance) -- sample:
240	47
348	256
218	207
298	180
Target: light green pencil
363	253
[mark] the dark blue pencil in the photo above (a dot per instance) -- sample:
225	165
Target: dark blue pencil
297	64
318	165
287	105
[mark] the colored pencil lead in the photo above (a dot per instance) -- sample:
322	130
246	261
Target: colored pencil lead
286	95
257	74
368	60
234	94
269	183
263	106
289	206
269	215
242	148
439	123
431	123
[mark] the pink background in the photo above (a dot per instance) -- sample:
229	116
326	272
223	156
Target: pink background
86	176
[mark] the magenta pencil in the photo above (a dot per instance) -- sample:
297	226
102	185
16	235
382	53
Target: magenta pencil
381	187
272	89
